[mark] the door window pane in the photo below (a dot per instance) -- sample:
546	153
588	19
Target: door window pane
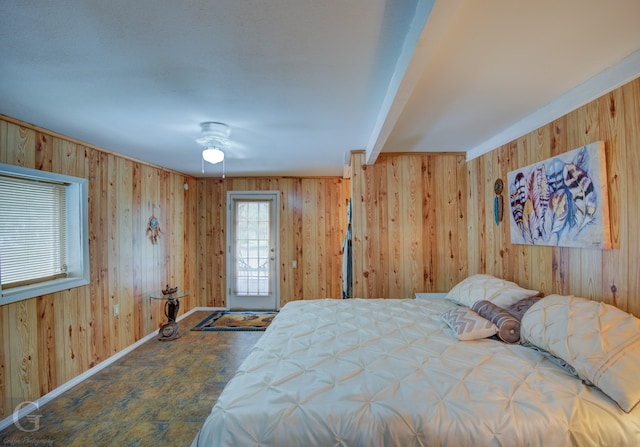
252	247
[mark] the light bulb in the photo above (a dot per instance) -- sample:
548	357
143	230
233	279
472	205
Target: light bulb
212	155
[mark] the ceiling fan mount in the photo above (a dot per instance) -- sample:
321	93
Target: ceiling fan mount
213	134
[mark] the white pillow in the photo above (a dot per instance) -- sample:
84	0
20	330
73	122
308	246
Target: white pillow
468	325
600	341
500	292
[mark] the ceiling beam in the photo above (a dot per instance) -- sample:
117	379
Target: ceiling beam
428	25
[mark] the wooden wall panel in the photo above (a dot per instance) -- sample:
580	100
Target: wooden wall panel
313	222
409	224
632	216
49	340
612	275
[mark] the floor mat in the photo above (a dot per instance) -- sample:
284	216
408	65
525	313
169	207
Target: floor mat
232	320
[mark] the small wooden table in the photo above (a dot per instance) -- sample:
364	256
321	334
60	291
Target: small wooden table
169	331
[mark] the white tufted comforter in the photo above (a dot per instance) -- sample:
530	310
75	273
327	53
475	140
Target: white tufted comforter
390	373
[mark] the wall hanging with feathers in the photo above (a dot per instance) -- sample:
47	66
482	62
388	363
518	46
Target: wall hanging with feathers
498	203
153	229
562	201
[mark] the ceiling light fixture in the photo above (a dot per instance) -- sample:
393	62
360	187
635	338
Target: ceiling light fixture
214	139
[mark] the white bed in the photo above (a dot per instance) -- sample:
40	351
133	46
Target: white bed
391	373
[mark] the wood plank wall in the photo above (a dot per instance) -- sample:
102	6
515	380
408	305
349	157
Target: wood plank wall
313	221
612	276
409	224
49	340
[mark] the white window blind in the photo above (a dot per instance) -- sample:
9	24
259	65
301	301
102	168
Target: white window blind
33	246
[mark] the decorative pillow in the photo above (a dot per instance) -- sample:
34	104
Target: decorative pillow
519	308
486	287
508	326
600	341
468	325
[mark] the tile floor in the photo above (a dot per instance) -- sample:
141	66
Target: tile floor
159	394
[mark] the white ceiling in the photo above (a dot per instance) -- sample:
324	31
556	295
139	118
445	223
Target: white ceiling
303	82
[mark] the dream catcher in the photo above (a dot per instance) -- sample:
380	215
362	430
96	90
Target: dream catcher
153	229
498	205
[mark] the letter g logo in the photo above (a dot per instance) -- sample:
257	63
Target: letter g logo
33	419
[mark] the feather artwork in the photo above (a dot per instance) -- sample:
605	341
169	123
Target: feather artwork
538	195
528	222
540	200
562	201
559	209
517	199
530	215
581	194
554	175
581	160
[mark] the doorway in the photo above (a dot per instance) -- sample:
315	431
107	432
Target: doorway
252	250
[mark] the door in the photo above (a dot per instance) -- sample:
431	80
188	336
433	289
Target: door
252	250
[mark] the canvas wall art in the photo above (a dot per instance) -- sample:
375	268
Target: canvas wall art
562	201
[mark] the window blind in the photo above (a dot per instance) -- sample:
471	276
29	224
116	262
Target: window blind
33	245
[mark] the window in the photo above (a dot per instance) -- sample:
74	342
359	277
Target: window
252	244
43	233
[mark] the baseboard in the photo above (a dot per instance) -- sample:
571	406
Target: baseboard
209	309
30	407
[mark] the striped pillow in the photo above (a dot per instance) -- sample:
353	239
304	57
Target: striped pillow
508	325
468	325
